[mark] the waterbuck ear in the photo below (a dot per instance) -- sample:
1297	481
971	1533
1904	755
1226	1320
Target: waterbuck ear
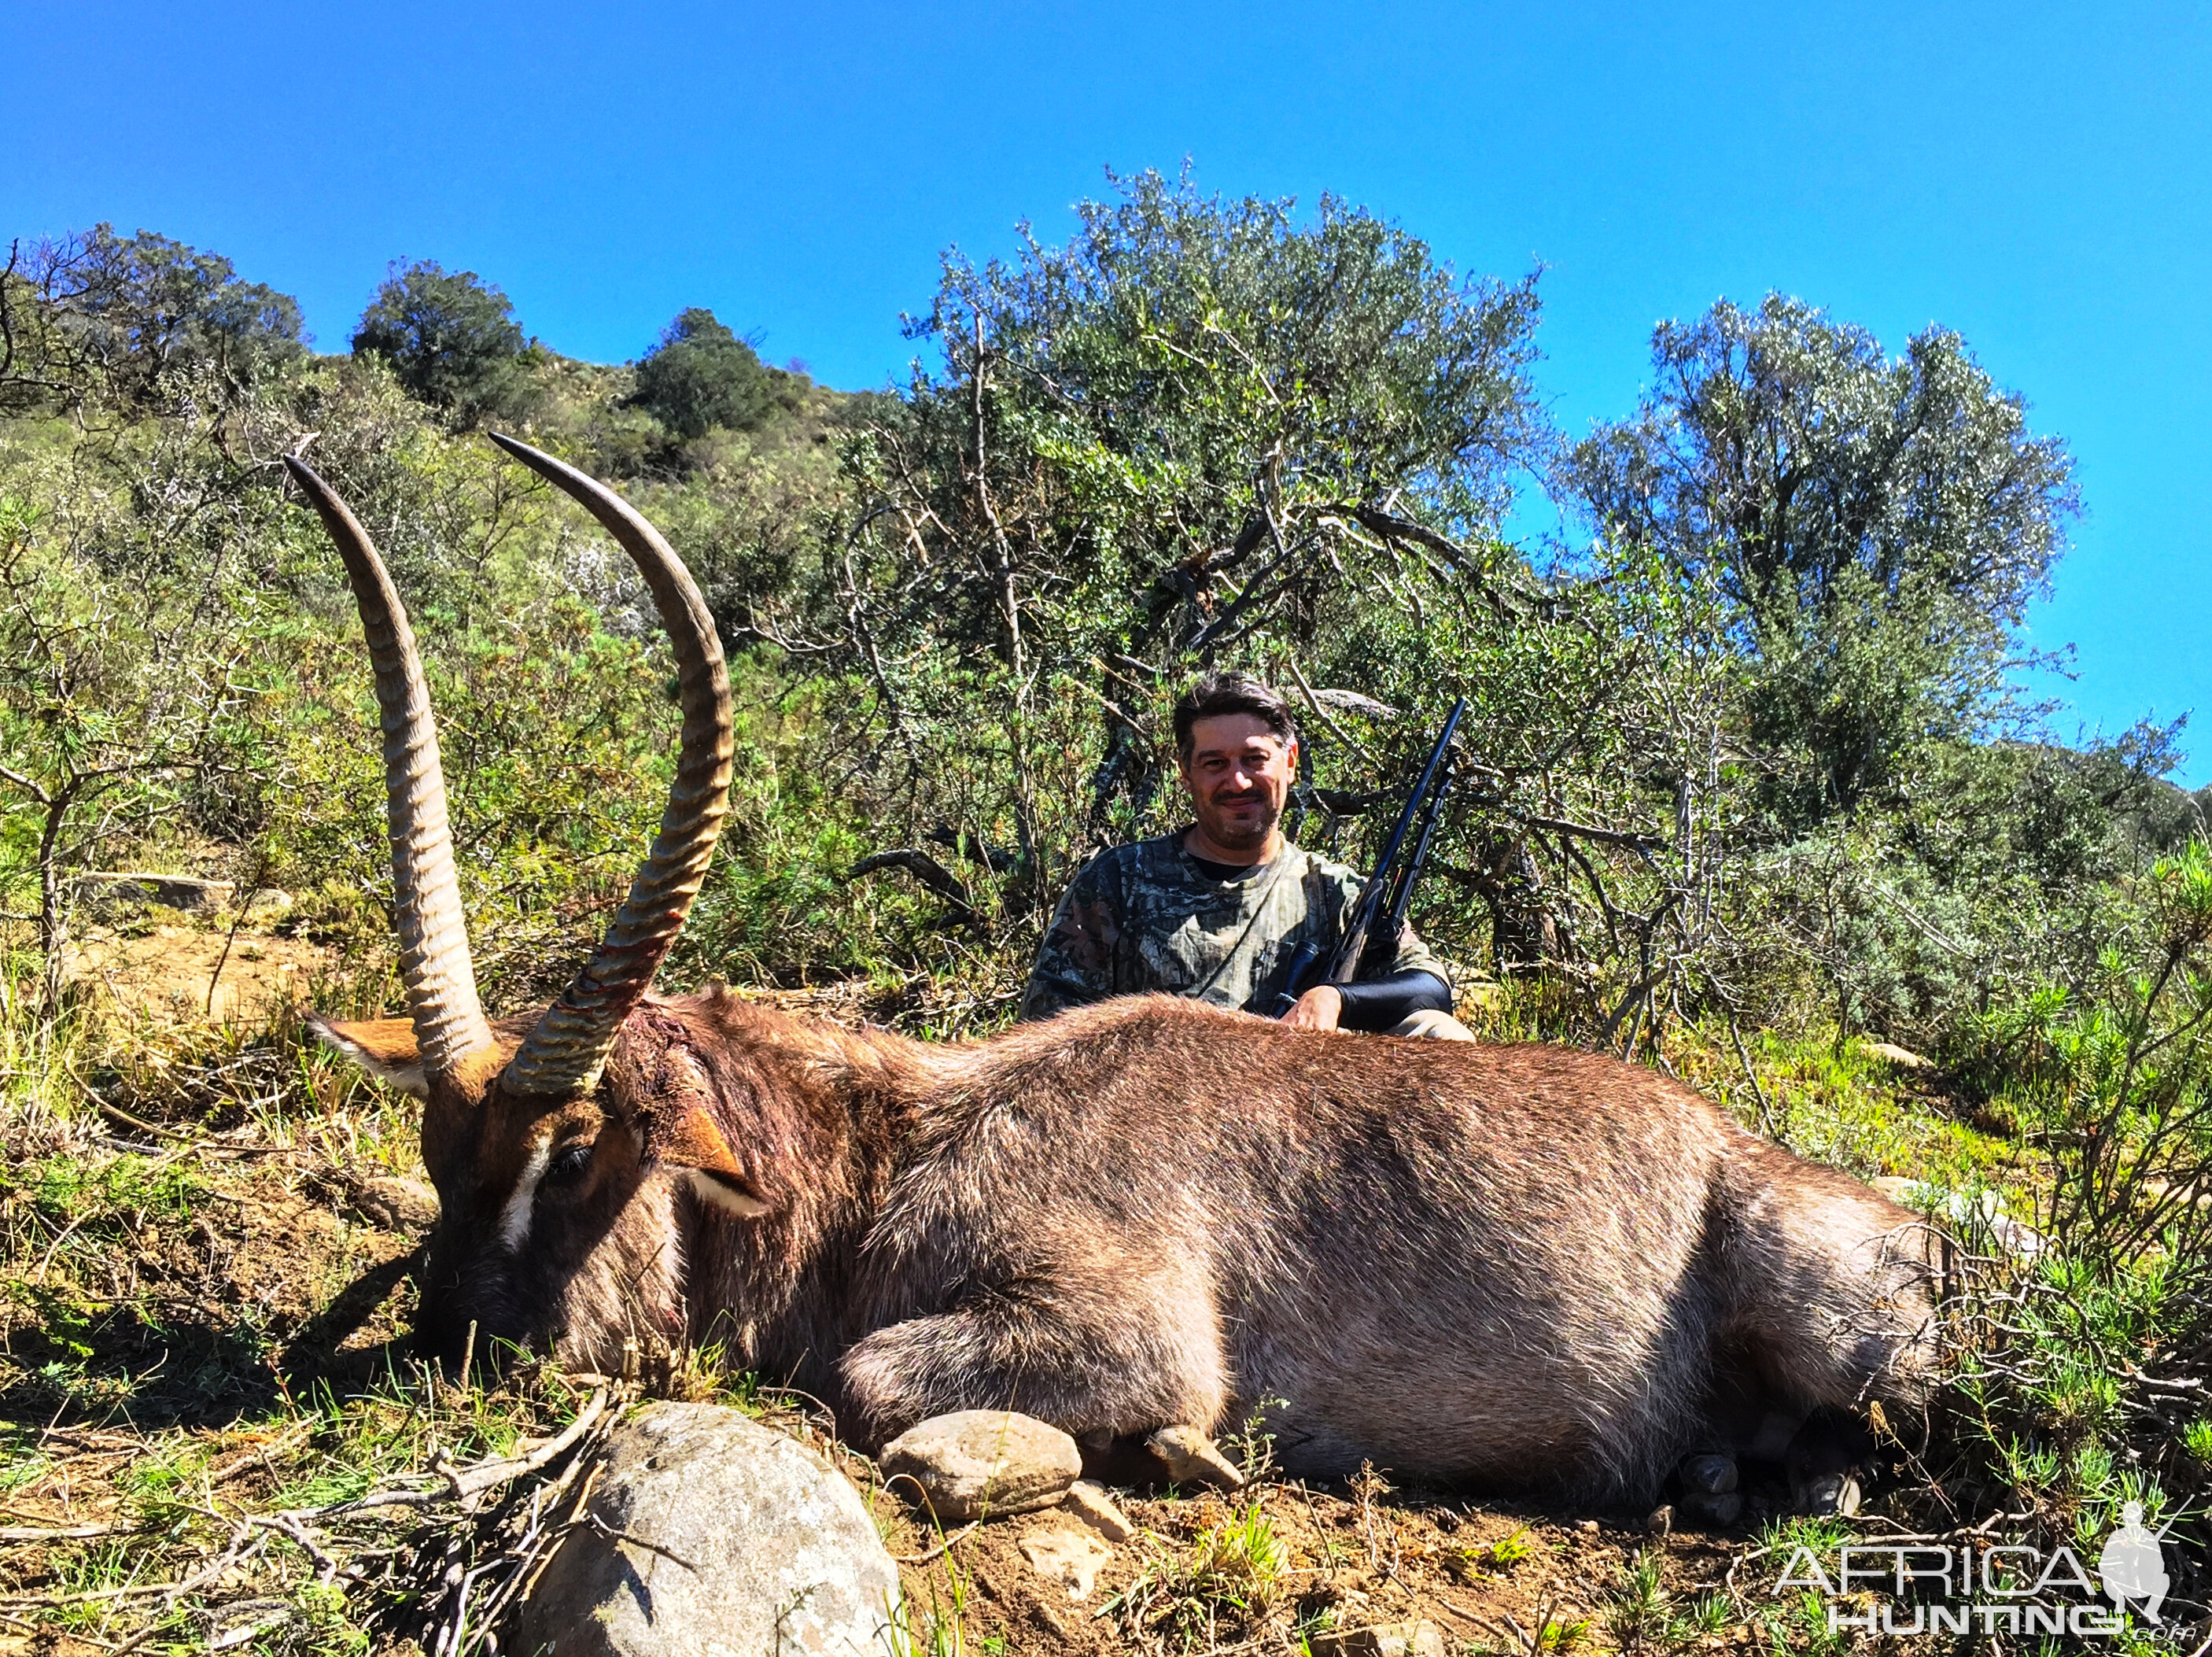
694	1143
383	1047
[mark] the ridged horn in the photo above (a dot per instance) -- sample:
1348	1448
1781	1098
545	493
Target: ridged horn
564	1054
434	965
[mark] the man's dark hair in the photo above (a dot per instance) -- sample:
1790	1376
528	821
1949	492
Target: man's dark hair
1215	694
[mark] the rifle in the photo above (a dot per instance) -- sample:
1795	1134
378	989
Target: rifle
1390	889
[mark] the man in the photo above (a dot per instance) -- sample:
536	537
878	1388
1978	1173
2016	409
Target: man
1217	911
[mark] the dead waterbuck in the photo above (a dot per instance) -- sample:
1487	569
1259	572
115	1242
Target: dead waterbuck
1508	1266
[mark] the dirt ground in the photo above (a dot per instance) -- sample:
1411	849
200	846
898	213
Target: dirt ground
175	970
1349	1561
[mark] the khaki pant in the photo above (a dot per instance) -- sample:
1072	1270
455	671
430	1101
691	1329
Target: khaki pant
1436	1026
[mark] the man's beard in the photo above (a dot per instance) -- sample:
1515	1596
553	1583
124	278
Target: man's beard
1243	835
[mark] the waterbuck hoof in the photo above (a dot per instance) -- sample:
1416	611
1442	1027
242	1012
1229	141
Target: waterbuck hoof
1191	1457
1709	1474
1721	1511
1829	1494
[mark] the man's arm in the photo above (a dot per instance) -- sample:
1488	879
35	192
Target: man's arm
1411	979
1075	960
1381	1003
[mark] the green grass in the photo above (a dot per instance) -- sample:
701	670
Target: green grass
1225	1584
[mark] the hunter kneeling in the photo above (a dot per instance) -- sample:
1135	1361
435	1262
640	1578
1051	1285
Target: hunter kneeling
1218	911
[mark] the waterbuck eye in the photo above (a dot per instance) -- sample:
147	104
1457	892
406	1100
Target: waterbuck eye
569	1162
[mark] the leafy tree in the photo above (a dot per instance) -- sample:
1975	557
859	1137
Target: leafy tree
1878	525
1181	437
130	314
700	376
450	337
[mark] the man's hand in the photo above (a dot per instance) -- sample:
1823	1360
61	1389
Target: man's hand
1317	1009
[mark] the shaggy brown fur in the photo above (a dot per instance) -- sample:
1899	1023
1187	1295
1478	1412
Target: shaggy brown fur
1516	1267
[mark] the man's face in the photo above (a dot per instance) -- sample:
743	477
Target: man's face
1239	773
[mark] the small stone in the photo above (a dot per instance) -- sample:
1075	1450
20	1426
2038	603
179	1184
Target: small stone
1588	1527
1661	1520
1421	1638
977	1464
1048	1619
1071	1558
1827	1494
1090	1503
1194	1458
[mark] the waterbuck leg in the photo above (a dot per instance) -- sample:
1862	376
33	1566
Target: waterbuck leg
1824	1462
1086	1367
1192	1458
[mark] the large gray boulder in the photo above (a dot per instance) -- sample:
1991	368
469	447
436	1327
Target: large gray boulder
758	1549
110	894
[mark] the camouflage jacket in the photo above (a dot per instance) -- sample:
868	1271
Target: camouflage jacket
1146	917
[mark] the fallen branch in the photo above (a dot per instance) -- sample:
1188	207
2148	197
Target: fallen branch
603	1528
925	869
924	1557
470	1482
64	1534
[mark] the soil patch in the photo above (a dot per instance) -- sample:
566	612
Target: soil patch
190	973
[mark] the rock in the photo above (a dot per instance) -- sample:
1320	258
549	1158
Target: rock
1828	1494
1721	1511
1090	1503
111	894
757	1547
1193	1458
107	894
1411	1639
979	1463
1660	1519
1050	1620
1069	1558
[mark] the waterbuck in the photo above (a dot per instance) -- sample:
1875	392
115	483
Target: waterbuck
1504	1266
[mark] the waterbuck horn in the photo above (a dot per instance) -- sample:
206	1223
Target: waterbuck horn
433	939
562	1057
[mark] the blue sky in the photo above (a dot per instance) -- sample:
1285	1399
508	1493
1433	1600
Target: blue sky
2033	177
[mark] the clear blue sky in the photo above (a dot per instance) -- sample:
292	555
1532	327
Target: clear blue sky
2034	177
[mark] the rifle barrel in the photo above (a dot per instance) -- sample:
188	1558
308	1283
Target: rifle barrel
1378	893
